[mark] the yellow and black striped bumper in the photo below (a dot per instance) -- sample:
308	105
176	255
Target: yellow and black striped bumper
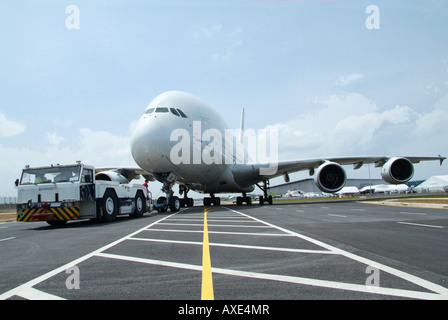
59	213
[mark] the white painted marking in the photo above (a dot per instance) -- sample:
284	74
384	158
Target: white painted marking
421	225
222	232
229	245
301	211
211	225
417	213
6	239
337	215
31	293
212	220
235	226
360	210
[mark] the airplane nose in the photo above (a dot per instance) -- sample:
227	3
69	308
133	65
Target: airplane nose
142	139
148	143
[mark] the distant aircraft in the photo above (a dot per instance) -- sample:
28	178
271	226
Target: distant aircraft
180	139
294	194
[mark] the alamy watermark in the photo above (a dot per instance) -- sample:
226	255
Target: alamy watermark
73	281
373	20
209	146
73	20
373	280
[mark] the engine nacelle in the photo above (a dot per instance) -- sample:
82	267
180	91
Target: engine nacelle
397	170
330	177
111	176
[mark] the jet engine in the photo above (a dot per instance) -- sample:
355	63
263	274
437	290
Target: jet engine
330	177
397	170
111	175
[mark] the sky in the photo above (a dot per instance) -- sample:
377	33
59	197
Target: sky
333	77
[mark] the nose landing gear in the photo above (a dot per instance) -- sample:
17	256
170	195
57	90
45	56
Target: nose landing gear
170	200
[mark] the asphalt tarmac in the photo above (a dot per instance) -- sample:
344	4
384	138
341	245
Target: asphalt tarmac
343	250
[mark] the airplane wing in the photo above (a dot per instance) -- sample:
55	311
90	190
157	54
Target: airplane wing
128	172
328	172
357	162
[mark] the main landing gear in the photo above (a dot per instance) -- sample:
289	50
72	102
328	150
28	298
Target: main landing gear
244	199
185	201
262	200
212	200
265	198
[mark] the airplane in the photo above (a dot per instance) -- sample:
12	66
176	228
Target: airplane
294	194
179	139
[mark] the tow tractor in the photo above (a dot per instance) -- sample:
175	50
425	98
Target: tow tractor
60	193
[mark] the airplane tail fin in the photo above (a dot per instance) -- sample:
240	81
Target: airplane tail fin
242	127
441	159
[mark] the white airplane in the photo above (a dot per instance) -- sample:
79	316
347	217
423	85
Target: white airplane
294	194
179	139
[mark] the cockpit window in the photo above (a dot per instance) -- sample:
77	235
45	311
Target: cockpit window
174	111
181	113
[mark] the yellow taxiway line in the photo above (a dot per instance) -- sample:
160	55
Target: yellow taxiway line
207	279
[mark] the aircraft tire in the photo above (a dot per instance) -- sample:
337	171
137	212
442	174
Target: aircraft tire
174	204
110	205
140	205
162	200
207	201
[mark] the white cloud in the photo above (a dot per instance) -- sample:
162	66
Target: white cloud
360	130
351	124
54	138
10	128
433	124
346	80
103	148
